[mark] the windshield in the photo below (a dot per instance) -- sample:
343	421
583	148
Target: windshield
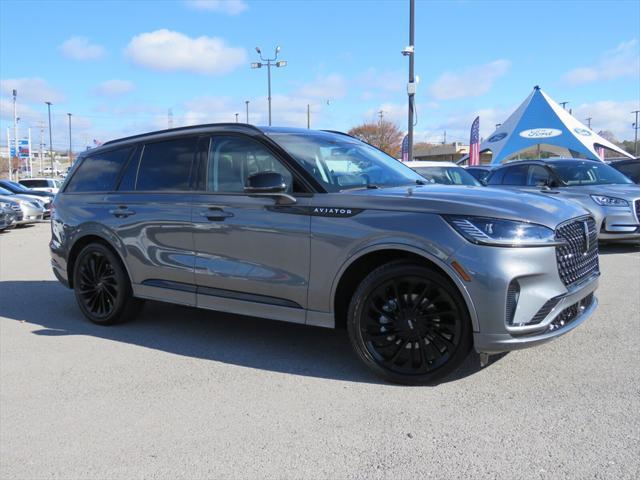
339	162
588	173
447	175
36	183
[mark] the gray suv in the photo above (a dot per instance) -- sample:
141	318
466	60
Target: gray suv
319	228
612	198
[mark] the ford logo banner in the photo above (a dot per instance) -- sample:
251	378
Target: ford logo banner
541	133
497	137
582	131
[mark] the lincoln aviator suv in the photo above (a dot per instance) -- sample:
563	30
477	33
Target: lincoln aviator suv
319	228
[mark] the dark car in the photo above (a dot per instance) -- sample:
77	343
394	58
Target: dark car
629	167
610	196
479	172
319	228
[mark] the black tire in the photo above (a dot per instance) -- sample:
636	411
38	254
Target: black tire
409	324
102	287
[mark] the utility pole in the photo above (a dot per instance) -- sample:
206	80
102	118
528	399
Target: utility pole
563	105
269	62
50	137
41	144
15	133
635	127
588	120
411	86
445	138
246	104
380	118
170	118
308	116
70	145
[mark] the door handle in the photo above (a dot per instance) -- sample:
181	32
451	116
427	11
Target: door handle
121	212
215	214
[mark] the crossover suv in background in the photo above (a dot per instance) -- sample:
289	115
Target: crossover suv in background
43	184
444	173
612	199
319	228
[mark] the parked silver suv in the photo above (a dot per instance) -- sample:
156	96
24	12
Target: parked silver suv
319	228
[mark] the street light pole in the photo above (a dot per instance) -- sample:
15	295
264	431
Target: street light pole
269	62
50	137
246	104
409	51
635	127
70	147
237	117
589	122
564	104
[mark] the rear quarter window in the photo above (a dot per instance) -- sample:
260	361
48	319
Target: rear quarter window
99	172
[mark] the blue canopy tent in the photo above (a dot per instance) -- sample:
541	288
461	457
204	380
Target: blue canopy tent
540	121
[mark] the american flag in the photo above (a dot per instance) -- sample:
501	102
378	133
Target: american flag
474	143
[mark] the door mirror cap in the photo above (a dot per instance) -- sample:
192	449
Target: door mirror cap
265	182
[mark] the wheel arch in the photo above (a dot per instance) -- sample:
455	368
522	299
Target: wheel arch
86	239
365	261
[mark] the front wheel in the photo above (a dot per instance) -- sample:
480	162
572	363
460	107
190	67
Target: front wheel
409	324
102	286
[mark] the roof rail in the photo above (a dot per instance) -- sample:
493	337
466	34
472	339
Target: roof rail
180	129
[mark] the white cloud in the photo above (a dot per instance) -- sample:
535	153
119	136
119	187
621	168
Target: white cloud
622	61
114	88
325	88
609	115
167	50
79	48
472	82
230	7
32	89
374	83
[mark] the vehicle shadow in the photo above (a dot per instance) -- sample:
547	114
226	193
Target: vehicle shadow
234	339
617	248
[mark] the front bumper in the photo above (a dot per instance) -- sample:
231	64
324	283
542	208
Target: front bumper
620	223
544	307
571	311
30	215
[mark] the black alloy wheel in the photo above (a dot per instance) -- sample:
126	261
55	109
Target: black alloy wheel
102	288
409	324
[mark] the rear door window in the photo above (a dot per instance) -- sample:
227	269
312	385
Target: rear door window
99	172
167	165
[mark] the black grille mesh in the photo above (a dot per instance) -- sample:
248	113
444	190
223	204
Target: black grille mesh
577	258
638	209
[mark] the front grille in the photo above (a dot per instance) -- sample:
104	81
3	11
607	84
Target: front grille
638	210
545	310
577	257
570	313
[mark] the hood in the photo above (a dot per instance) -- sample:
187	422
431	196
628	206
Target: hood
467	200
628	191
19	197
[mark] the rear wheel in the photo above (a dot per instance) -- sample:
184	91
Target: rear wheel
409	324
102	287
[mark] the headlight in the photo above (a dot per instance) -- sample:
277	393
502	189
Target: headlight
501	233
609	201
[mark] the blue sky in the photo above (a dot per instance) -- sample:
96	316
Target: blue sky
119	66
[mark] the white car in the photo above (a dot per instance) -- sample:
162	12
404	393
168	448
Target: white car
42	184
445	173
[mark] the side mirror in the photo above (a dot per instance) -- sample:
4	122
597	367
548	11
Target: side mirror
268	184
265	182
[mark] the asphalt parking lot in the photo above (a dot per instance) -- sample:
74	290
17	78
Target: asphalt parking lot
182	393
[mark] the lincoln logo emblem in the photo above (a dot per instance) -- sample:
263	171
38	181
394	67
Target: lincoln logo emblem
587	242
